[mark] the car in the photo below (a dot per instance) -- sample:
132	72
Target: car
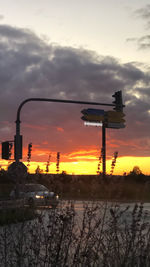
35	194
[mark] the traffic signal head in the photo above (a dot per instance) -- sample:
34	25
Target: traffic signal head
118	101
6	150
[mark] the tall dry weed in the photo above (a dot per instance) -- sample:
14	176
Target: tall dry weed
101	234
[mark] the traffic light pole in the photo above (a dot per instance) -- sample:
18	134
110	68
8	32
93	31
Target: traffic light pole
18	146
104	149
17	143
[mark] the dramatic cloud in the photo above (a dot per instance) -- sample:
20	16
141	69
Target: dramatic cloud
144	41
144	13
30	67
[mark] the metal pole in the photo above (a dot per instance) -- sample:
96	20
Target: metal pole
17	143
104	149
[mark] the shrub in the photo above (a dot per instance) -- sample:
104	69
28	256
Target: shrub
15	215
100	235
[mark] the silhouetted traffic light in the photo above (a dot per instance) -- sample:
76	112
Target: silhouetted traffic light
118	101
6	150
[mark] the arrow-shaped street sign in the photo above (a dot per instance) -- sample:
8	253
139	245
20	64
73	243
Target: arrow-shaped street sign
93	111
115	125
93	118
94	115
112	119
115	116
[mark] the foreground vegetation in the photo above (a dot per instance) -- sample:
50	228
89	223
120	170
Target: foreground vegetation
103	235
15	215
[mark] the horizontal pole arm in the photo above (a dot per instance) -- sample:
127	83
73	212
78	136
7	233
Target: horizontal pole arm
58	101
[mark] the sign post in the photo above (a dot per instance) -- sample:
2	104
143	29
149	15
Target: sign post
98	116
107	119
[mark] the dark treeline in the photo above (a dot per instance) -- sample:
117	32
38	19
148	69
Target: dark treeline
132	186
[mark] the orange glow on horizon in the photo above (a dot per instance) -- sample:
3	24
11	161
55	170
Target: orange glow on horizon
123	164
82	162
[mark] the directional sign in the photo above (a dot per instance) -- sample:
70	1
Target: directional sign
112	113
90	123
114	116
93	118
93	111
93	115
112	119
115	125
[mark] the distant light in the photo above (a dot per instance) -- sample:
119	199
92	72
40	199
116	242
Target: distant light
37	196
89	123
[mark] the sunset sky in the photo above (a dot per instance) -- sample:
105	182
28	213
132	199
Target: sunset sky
79	50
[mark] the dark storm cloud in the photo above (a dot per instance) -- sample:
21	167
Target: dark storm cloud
30	67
